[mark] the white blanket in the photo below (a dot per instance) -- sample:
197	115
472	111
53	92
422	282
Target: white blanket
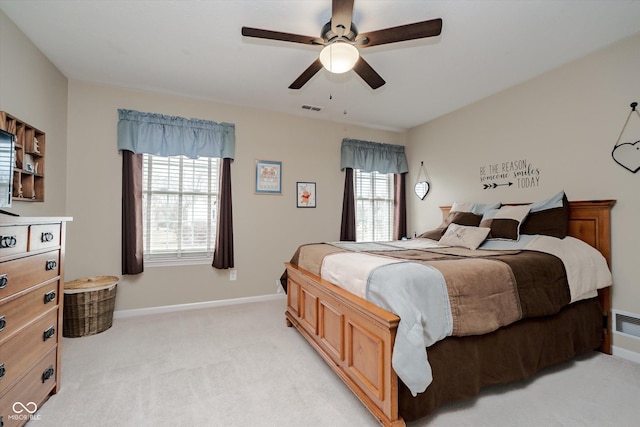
587	269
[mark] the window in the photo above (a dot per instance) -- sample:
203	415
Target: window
179	200
374	206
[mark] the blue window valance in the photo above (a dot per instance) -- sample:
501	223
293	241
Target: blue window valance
373	156
163	135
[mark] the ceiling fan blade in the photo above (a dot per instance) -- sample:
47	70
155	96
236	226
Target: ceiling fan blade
307	74
341	16
368	74
277	35
417	30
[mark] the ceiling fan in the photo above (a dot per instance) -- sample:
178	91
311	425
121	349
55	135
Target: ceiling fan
341	41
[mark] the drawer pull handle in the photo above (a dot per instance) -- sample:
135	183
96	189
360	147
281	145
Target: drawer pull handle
8	241
48	333
51	264
46	237
3	323
48	373
2	370
49	296
4	281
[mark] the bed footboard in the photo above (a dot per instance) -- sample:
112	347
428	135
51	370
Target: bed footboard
354	336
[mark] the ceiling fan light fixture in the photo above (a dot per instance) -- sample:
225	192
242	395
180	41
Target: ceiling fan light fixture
339	57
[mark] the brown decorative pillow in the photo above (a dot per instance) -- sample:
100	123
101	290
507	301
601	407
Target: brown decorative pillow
552	222
461	218
505	222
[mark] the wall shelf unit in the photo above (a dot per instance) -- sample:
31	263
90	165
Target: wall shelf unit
28	173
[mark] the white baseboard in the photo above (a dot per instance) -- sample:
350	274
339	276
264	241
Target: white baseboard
120	314
625	354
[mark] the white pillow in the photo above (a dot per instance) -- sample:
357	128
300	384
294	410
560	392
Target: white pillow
476	208
464	236
550	203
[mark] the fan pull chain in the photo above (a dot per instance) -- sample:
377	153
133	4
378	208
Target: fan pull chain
344	96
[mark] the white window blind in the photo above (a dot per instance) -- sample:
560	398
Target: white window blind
374	206
179	197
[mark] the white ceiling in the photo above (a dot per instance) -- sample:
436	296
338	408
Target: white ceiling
194	48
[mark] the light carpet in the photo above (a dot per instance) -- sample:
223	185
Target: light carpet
240	365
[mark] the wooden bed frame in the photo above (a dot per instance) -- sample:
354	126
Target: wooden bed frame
356	337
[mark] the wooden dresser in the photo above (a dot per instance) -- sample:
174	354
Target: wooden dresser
31	290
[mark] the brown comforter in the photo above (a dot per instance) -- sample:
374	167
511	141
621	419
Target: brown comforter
486	289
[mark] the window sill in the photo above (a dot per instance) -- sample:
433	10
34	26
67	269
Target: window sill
172	262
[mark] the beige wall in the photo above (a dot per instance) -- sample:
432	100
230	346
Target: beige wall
267	229
564	123
32	89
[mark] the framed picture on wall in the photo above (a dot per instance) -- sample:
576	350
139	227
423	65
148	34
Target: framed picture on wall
268	177
306	194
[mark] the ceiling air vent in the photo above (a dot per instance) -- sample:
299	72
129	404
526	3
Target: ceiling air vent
311	107
626	324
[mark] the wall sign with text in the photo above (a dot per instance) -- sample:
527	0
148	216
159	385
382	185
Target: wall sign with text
519	173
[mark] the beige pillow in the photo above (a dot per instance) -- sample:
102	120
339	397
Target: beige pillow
464	236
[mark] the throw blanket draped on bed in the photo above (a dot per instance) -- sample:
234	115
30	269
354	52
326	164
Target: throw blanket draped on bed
442	291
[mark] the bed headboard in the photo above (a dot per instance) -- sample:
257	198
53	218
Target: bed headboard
589	221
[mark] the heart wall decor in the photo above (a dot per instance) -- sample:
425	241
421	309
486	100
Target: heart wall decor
422	186
421	189
627	155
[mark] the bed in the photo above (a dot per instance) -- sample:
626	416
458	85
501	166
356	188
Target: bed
356	337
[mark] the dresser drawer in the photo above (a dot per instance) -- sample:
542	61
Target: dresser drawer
13	239
33	388
23	349
17	312
44	236
22	273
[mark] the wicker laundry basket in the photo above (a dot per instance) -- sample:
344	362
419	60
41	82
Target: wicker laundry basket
88	305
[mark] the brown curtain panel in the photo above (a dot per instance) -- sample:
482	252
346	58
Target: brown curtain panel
399	206
132	245
223	255
348	227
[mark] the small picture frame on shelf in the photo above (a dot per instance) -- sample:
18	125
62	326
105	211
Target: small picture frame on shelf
268	177
27	163
306	194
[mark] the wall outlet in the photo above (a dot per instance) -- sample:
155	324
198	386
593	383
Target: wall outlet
233	274
279	289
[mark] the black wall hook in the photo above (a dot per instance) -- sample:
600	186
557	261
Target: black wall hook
633	106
